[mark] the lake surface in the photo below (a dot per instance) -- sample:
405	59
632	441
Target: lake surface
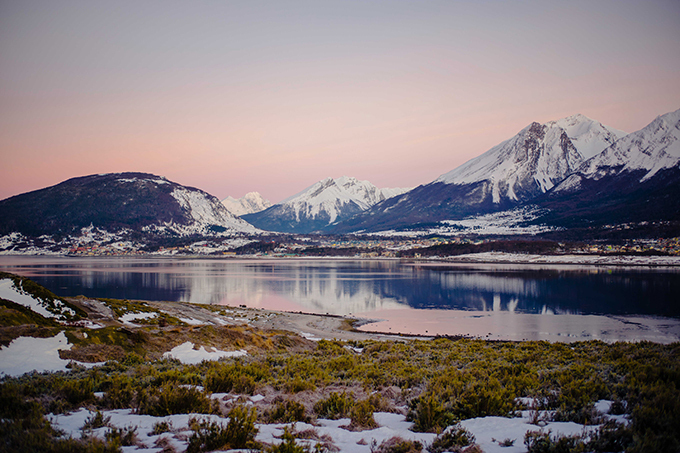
497	301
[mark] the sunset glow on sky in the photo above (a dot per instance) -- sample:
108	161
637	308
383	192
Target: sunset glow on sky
272	96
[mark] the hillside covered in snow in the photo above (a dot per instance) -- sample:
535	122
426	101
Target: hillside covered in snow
116	202
320	205
574	168
250	203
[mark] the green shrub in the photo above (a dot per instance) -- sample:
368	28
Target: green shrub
161	427
76	391
96	421
122	436
173	399
239	432
235	377
337	405
428	414
297	385
288	411
611	436
361	416
398	445
452	440
288	445
119	392
543	442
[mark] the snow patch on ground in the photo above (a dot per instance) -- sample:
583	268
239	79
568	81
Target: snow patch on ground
26	354
127	318
186	353
10	291
488	431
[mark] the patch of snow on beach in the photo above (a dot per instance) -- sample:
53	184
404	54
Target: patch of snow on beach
10	291
127	318
186	353
26	354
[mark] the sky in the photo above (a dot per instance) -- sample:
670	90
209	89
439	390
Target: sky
272	96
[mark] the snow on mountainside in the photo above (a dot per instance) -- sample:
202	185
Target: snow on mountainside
251	203
652	148
589	137
508	175
534	160
321	204
329	195
118	202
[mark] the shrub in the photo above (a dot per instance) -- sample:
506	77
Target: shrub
288	411
288	445
96	421
123	436
428	414
397	445
337	405
160	428
452	440
235	377
543	442
173	399
76	391
297	385
361	416
239	432
119	393
611	436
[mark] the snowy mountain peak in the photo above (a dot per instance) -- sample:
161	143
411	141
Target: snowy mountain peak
589	137
321	204
250	203
534	160
652	148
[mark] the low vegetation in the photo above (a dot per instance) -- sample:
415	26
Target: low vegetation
441	382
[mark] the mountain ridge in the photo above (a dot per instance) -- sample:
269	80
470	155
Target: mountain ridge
118	201
250	203
321	204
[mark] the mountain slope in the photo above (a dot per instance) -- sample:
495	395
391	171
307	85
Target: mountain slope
321	204
635	179
251	203
115	202
535	159
509	174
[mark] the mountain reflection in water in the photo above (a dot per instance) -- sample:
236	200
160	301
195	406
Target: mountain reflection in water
499	301
347	286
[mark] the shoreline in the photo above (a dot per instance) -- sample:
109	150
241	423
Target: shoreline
482	258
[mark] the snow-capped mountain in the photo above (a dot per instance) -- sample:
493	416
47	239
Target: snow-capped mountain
116	202
646	152
251	203
509	174
637	178
534	160
321	204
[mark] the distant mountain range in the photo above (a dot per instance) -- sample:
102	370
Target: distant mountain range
325	202
576	169
114	202
565	174
250	203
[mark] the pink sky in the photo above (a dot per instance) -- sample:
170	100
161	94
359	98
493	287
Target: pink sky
233	97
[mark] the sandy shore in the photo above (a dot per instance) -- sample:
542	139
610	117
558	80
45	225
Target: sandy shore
308	325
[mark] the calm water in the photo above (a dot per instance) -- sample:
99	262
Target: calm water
494	301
